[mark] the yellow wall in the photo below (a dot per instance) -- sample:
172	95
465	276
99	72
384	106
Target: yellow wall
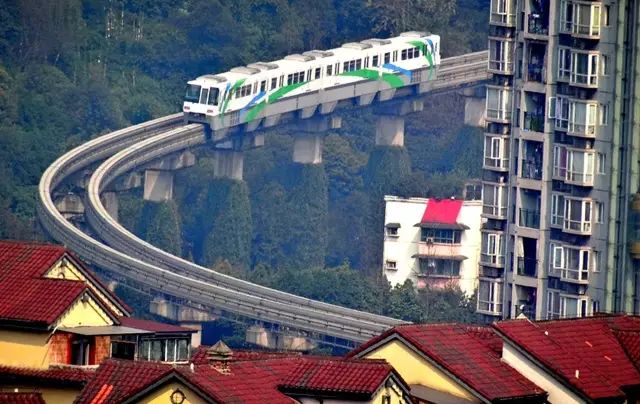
25	349
85	312
415	370
70	272
162	395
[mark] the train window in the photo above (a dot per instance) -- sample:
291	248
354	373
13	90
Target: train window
309	75
192	93
345	67
255	88
281	80
395	56
204	95
213	96
317	75
366	62
374	61
289	79
416	52
358	65
387	58
274	82
403	54
337	69
263	86
329	70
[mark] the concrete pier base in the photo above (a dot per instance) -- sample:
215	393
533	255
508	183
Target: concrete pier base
228	164
110	202
390	131
158	185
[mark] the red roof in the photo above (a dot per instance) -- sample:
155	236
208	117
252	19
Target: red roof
21	398
346	376
469	354
247	381
153	326
442	211
56	376
25	294
585	353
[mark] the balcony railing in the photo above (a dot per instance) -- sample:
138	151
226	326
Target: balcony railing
531	170
533	122
495	210
537	25
527	266
577	226
529	218
496	260
496	163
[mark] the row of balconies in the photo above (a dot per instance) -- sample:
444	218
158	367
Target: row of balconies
577	18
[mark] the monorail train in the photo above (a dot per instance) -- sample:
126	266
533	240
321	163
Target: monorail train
249	89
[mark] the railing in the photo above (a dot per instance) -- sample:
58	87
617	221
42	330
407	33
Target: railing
494	210
529	218
501	163
527	266
492	259
537	25
531	170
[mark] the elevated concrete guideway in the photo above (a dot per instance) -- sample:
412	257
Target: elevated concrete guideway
184	282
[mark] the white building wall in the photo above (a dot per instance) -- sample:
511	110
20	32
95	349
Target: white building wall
409	211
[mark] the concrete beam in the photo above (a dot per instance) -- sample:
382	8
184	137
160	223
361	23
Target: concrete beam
110	202
174	161
127	181
390	131
262	337
228	164
158	185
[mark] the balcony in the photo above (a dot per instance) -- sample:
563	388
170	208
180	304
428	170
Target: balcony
496	153
529	218
501	56
531	170
527	267
490	296
534	72
580	19
538	24
498	106
534	122
495	260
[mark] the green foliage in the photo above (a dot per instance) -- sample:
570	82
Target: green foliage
160	226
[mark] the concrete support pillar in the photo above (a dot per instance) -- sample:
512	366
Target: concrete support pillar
70	205
158	185
390	131
307	149
196	337
228	164
110	202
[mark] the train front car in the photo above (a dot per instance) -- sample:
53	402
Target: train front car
202	98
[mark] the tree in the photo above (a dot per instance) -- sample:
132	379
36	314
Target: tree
161	224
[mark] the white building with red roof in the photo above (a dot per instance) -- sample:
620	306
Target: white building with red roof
432	242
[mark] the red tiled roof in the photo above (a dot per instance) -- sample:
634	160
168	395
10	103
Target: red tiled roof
57	376
585	353
37	300
469	354
26	295
346	376
444	211
21	398
154	326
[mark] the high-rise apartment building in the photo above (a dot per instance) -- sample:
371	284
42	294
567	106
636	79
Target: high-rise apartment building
561	159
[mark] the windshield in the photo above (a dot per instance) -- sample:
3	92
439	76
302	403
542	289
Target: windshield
193	93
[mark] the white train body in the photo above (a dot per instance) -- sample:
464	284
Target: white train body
249	89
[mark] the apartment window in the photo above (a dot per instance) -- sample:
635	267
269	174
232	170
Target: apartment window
440	236
391	265
605	64
502	12
573	306
584	68
494	200
598	213
490	296
582	118
605	16
564	63
123	350
498	104
80	352
440	267
570	263
492	249
574	166
496	151
580	18
553	304
604	114
601	163
501	55
577	215
561	113
392	230
557	209
164	350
